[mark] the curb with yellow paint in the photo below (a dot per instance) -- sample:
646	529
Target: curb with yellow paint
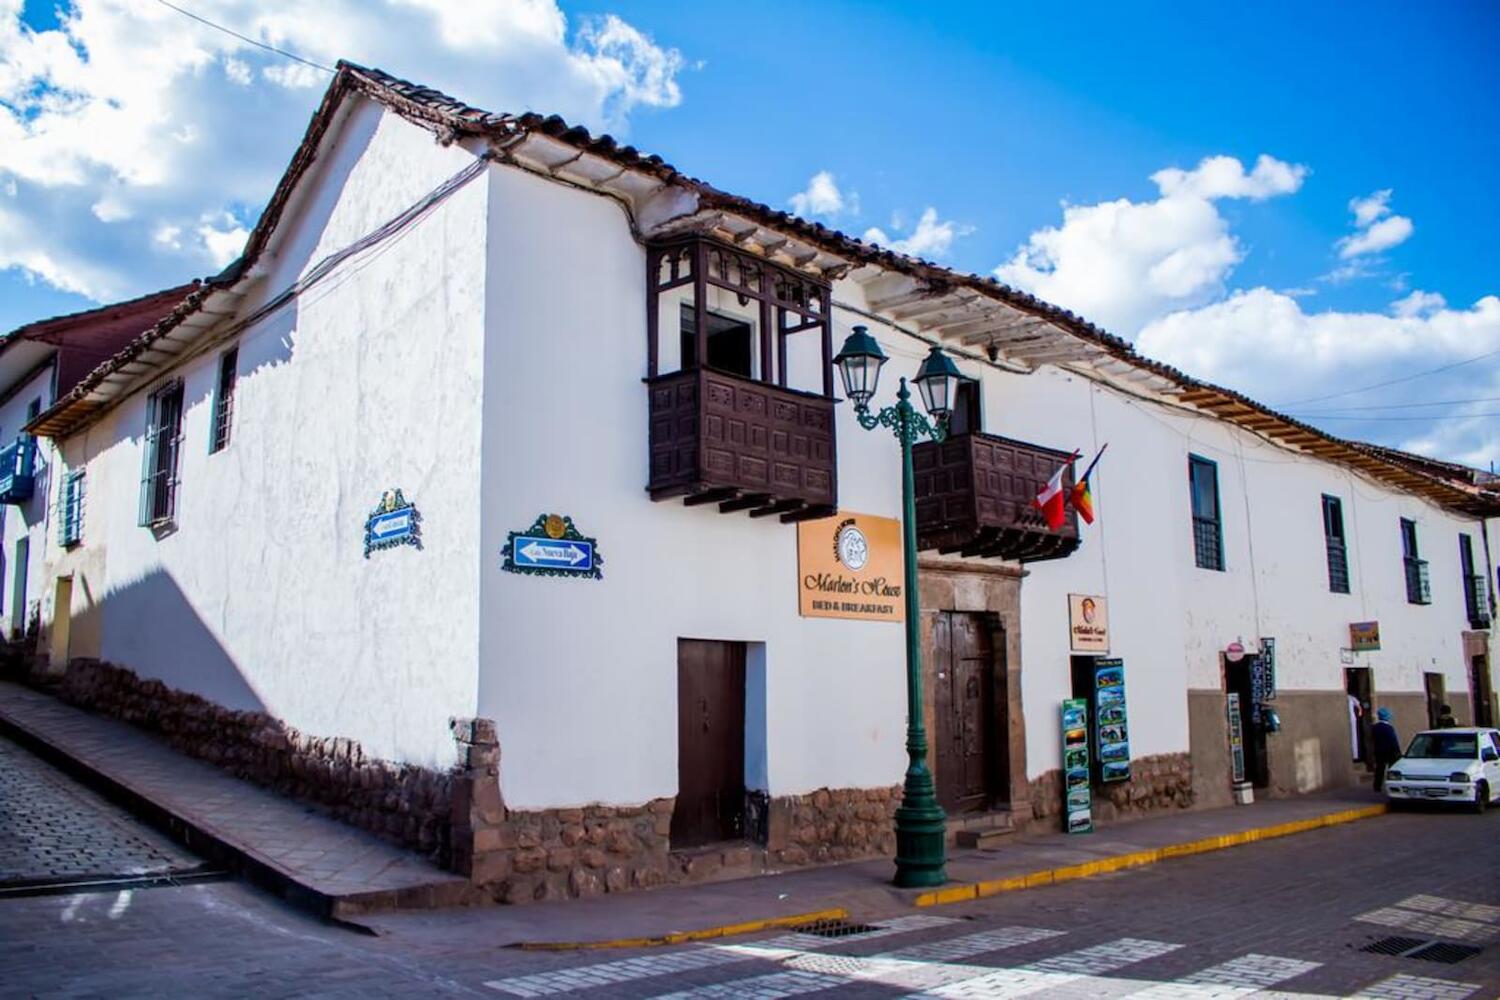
1135	859
993	887
682	937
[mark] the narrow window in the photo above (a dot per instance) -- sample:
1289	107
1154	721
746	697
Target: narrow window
33	409
159	457
1418	590
224	400
964	418
71	527
729	343
1476	601
1208	536
1333	537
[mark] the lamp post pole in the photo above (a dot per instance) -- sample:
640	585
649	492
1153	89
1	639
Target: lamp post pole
921	828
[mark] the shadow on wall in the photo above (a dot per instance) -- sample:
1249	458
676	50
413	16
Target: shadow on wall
228	725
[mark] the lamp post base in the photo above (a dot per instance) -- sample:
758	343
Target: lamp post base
921	835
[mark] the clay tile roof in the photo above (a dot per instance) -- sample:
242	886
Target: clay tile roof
451	118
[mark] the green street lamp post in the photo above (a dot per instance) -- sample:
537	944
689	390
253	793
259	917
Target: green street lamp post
921	828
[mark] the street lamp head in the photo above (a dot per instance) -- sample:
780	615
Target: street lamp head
859	365
937	381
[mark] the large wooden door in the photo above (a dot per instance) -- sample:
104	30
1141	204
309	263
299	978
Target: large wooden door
970	734
710	743
1479	689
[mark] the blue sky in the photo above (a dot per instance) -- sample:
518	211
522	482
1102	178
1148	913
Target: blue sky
990	116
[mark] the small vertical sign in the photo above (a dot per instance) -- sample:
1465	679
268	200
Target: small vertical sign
1078	800
1111	726
1268	665
1236	738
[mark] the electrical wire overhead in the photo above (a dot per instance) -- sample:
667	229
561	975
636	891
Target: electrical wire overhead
1394	381
246	38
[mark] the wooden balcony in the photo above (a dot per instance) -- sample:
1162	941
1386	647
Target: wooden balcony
975	493
743	444
17	470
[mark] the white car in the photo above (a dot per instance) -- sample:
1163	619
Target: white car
1448	765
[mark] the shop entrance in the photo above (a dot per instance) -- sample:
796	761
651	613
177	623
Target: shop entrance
969	704
1237	679
1360	686
710	743
1479	689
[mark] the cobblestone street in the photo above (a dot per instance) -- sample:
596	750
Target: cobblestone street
1292	917
53	829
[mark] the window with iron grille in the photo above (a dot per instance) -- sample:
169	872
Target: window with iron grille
70	531
159	457
1476	600
1418	589
1333	538
224	400
1208	535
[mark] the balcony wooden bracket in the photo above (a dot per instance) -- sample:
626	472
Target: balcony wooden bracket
744	501
710	496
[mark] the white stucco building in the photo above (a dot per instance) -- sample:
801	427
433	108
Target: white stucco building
463	307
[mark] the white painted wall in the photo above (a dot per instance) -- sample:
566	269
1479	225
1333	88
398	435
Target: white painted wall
262	597
26	520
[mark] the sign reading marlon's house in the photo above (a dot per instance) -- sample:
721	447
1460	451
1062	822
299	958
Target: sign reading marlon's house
1088	624
849	566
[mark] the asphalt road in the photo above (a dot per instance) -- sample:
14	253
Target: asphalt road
1289	917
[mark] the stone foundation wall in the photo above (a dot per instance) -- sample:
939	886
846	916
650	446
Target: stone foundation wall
409	805
1156	783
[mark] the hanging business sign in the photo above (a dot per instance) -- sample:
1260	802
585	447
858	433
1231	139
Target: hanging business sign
1088	623
1078	799
849	566
1364	636
393	522
1268	667
552	546
1111	724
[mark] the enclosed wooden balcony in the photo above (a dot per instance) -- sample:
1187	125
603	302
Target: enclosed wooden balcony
743	444
727	425
975	496
18	470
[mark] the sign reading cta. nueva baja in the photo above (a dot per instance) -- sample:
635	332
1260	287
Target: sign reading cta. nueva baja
849	566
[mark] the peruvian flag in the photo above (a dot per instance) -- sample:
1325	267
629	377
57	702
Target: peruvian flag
1053	497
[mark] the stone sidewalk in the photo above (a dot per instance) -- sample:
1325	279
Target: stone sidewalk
317	862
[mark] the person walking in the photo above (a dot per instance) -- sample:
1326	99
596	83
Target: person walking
1446	719
1387	745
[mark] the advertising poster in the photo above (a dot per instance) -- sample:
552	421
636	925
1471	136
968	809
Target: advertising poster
1111	724
1078	800
1088	623
1236	738
850	566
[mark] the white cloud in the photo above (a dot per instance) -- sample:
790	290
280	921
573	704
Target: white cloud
822	196
128	119
1381	236
1225	177
1122	263
1263	343
1376	229
1418	303
931	238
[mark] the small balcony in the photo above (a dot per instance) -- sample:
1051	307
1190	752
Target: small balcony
743	444
18	470
1476	600
1418	587
975	496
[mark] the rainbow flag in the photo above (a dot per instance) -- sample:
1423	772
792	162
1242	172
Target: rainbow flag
1082	497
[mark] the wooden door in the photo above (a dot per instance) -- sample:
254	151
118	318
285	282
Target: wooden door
710	743
967	709
1437	694
1479	690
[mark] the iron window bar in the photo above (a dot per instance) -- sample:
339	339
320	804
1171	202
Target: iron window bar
1418	587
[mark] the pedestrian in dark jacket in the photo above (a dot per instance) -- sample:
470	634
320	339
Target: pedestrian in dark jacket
1446	719
1387	745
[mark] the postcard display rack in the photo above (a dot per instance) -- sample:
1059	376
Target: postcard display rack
1079	800
1111	726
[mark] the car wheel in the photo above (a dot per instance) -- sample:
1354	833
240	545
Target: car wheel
1481	796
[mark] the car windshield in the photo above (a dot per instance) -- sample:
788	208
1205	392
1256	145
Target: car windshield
1446	746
